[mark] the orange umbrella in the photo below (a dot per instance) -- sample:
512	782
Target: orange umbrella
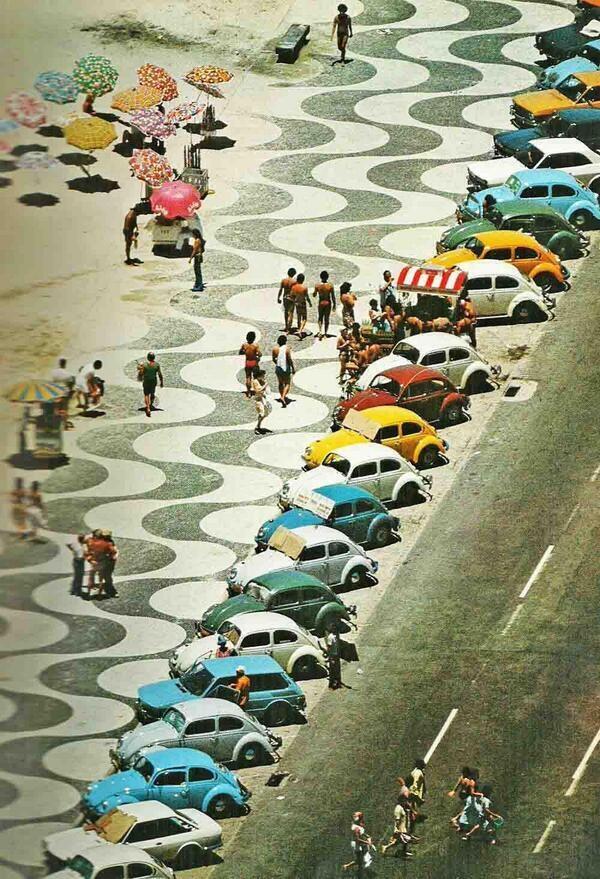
158	78
208	74
140	98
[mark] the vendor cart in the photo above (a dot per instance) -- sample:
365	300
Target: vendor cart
173	237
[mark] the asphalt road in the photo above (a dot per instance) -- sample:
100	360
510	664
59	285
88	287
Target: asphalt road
447	634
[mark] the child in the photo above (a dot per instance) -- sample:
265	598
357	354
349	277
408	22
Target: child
379	319
263	406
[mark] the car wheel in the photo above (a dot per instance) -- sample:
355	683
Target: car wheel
222	806
356	578
428	457
305	667
582	220
452	414
409	494
277	714
525	312
547	281
563	250
477	383
382	535
594	185
189	857
251	754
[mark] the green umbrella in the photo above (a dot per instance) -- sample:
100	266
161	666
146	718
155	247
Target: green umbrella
95	75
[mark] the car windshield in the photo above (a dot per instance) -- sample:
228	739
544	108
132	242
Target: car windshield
535	156
232	633
198	680
145	768
403	349
475	246
571	88
577	93
384	383
257	591
82	866
338	464
513	184
175	719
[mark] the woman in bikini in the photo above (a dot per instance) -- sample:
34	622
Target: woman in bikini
343	24
348	300
252	355
325	297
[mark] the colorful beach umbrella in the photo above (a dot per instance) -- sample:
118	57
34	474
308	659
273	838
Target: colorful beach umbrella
158	78
175	199
184	112
95	75
90	133
150	167
213	90
60	88
26	109
152	123
208	74
139	98
8	125
36	161
35	392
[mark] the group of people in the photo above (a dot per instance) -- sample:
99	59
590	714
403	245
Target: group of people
256	385
294	296
99	551
85	385
28	509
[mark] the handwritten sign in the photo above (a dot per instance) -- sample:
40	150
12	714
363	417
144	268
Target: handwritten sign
287	542
360	423
314	502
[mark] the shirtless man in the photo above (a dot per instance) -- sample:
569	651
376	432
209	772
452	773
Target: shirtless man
325	298
348	300
343	24
285	287
130	233
299	293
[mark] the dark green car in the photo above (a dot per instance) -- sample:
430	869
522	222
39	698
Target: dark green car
546	225
301	597
565	42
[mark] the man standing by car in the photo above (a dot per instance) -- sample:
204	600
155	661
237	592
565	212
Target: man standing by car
241	686
334	663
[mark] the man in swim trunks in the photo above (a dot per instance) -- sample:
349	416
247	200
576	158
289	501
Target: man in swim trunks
301	299
150	375
252	354
326	302
285	288
343	24
284	369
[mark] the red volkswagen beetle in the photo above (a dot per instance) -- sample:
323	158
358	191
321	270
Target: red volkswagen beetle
424	391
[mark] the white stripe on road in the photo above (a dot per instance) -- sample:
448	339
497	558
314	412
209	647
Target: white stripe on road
537	570
582	766
595	474
572	516
440	735
542	840
513	617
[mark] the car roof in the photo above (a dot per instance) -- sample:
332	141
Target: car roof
580	114
362	452
544	175
426	342
168	757
589	77
253	664
312	534
558	145
148	809
343	492
115	854
197	709
263	620
481	268
277	581
506	238
406	375
524	207
386	415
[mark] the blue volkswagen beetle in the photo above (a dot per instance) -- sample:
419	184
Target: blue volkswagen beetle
555	188
181	778
354	511
587	60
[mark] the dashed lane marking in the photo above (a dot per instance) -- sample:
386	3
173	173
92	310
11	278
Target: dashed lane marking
595	474
577	775
440	735
542	840
572	516
512	618
537	570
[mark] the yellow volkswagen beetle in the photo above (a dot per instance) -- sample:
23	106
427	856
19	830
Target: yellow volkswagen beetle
522	250
392	426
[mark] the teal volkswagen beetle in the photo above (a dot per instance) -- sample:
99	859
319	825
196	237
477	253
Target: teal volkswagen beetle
351	510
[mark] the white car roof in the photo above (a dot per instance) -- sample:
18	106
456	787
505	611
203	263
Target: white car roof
364	452
551	145
147	810
197	709
481	268
115	854
261	621
312	534
426	342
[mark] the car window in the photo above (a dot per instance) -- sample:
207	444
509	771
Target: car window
342	511
311	593
561	190
114	872
256	639
228	724
526	253
498	253
543	222
143	831
285	599
311	553
435	385
434	358
384	383
201	773
337	547
284	636
170	827
390	431
535	192
416	389
206	726
364	470
390	466
409	352
270	682
479	284
504	282
410	427
364	506
171	776
137	870
457	354
518	224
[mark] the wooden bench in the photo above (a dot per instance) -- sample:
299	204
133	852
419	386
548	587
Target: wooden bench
288	47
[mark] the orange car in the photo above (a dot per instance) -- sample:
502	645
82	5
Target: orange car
523	251
532	108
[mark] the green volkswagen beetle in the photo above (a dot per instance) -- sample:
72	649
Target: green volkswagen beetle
545	224
301	597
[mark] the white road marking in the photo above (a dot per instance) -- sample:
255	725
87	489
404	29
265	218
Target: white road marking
440	735
537	570
595	474
513	617
582	766
572	516
542	840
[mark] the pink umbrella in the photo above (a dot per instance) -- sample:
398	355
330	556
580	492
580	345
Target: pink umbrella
152	123
26	109
184	112
175	199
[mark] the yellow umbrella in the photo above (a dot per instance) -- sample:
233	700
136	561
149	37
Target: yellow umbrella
90	133
36	392
139	98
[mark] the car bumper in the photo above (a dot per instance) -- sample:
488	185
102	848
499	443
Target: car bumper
522	120
143	714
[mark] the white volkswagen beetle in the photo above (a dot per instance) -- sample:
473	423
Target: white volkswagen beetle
498	289
323	552
99	860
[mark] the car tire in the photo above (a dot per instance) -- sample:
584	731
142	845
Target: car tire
382	535
582	220
452	414
564	250
428	457
526	313
189	857
252	754
477	383
409	494
222	806
547	281
305	668
277	714
356	579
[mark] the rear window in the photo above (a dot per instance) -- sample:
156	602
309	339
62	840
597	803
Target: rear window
260	683
338	464
257	591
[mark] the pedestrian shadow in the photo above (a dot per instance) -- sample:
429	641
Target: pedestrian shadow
91	413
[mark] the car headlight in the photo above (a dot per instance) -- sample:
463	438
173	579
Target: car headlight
232	575
308	451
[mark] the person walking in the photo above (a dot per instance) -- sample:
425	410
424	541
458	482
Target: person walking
77	548
342	23
333	657
260	390
417	788
252	354
299	294
197	256
400	836
325	298
35	511
284	369
241	686
284	295
361	844
130	233
149	373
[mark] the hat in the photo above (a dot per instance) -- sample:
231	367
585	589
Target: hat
221	640
240	670
104	532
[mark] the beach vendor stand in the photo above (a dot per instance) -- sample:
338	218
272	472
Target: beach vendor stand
42	426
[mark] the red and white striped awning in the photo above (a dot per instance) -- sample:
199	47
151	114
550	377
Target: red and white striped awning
431	280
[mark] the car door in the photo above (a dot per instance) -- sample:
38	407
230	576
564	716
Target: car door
311	604
502	253
539	192
581	166
365	476
526	258
137	870
563	196
201	735
458	360
412	433
342	518
436	359
414	397
201	780
170	786
255	643
285	642
231	729
313	561
115	872
481	291
390	471
157	837
506	289
363	516
339	554
389	435
289	603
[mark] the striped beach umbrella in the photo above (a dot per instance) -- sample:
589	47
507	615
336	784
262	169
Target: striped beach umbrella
36	392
